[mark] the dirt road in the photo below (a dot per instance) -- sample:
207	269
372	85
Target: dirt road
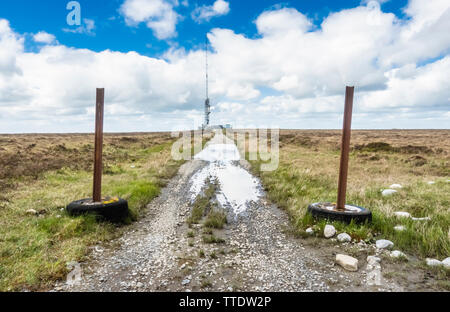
156	253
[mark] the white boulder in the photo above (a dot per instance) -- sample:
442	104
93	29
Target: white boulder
347	262
399	228
397	254
402	214
395	186
309	231
431	182
421	219
433	262
384	244
344	237
32	212
388	192
446	262
329	231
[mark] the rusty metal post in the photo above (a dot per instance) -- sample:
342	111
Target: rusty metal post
345	148
98	163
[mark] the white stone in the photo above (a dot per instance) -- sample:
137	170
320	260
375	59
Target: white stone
388	192
372	260
329	231
397	254
421	219
399	228
32	212
402	214
433	262
185	282
431	182
384	244
395	186
310	231
344	237
446	262
347	262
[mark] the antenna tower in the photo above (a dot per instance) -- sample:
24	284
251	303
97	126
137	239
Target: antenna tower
207	102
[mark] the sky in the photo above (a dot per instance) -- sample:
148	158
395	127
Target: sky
271	64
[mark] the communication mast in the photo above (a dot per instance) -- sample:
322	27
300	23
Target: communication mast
207	102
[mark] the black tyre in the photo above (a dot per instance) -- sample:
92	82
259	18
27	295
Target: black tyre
359	214
115	211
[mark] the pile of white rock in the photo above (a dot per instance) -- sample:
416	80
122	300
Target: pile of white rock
435	263
330	231
391	190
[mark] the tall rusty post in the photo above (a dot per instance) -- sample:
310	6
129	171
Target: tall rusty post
345	148
98	162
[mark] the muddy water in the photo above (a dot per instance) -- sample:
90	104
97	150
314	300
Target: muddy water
238	187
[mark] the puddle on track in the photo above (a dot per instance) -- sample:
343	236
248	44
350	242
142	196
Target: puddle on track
237	186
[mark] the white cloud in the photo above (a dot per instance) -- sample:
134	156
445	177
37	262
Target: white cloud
11	44
283	20
44	37
230	107
293	74
87	28
54	88
158	15
207	12
423	88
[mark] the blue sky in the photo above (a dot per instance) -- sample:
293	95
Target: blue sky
282	64
112	33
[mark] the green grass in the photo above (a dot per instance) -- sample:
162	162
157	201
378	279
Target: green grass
205	209
208	231
191	234
34	250
138	194
212	239
215	219
206	283
203	203
305	176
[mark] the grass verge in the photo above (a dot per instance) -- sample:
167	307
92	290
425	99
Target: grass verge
308	173
34	248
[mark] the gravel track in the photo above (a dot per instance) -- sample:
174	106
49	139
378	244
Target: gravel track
155	254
